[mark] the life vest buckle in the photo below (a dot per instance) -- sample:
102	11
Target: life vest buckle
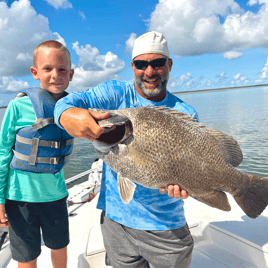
55	144
54	161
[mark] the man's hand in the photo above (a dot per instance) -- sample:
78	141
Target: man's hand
80	123
3	219
174	191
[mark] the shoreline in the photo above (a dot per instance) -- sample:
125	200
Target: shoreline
215	89
202	90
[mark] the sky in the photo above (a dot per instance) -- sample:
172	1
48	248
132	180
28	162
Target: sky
213	44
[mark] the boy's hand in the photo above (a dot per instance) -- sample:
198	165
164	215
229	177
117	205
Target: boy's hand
174	191
3	219
80	123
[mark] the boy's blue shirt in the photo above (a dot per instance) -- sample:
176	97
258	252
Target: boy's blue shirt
19	185
148	210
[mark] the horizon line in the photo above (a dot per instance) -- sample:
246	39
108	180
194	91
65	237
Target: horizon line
222	88
201	90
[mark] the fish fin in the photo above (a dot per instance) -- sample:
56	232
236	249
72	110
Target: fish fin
255	196
174	113
216	199
183	116
126	188
234	155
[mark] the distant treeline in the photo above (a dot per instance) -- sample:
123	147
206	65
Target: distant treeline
223	88
201	90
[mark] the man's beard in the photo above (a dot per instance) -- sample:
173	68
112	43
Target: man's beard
149	93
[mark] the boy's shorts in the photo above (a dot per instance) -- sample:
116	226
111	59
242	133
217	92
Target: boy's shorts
26	221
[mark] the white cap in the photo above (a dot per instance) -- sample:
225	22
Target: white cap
151	42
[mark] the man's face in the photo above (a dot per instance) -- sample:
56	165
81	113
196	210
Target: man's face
52	70
151	82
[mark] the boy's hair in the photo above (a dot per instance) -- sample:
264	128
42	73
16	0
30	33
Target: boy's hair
52	44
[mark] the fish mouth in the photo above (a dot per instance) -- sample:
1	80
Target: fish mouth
117	130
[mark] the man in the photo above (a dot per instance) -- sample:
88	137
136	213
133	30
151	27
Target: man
150	231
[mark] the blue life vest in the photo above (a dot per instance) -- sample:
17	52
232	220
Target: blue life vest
42	147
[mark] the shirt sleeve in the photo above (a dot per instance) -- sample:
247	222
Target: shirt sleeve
105	96
7	139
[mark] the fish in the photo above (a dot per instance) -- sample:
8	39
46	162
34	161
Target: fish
158	146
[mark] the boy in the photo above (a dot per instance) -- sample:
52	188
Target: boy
32	187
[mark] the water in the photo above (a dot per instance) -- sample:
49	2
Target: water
82	157
242	113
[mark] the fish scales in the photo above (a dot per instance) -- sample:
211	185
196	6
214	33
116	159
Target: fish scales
156	147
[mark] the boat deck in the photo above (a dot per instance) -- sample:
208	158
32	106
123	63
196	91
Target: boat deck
222	239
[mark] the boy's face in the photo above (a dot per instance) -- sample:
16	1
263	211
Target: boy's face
52	70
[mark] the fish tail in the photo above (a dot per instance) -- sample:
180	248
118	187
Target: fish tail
253	197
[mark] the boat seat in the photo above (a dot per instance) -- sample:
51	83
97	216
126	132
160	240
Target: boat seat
95	253
220	243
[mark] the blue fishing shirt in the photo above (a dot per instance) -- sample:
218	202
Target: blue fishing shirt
148	210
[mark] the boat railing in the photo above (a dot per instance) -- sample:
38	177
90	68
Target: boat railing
78	177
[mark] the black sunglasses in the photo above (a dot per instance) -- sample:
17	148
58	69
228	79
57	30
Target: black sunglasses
143	64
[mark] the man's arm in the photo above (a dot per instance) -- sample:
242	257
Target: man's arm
80	123
71	112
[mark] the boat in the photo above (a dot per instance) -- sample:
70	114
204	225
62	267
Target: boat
222	239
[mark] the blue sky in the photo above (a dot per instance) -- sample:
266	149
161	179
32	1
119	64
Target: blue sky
214	44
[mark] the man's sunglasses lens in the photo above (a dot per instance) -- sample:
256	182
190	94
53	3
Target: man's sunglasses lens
143	64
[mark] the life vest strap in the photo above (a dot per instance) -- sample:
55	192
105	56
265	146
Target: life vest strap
52	144
34	150
42	122
43	160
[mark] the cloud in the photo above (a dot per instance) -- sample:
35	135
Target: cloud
220	77
237	76
21	30
232	55
199	27
59	3
264	72
182	83
9	85
24	57
82	15
130	42
238	79
94	68
187	82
